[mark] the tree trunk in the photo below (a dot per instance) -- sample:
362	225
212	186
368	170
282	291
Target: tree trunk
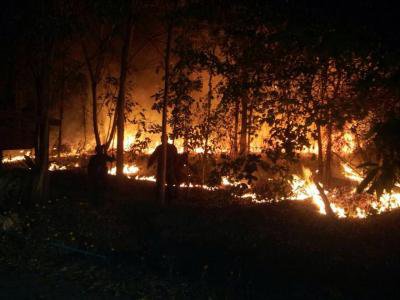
320	152
61	116
174	120
243	129
40	188
328	155
120	111
328	159
84	123
93	91
236	129
324	84
38	112
164	136
112	132
250	125
94	113
207	131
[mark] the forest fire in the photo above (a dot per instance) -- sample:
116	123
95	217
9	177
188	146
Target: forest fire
303	186
199	149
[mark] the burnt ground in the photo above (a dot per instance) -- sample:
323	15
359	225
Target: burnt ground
206	245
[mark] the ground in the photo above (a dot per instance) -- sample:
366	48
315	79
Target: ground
206	245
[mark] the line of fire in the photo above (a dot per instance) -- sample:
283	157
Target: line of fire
199	149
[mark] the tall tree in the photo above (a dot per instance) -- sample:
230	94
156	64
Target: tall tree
97	30
120	109
164	135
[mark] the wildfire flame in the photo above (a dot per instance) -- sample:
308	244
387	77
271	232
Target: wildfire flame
53	167
349	143
127	170
303	187
306	189
349	173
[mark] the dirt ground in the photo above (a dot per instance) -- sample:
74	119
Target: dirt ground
206	245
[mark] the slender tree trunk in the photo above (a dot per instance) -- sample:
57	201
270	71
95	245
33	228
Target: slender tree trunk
174	133
236	129
40	189
320	152
186	134
94	113
93	80
84	122
328	155
324	84
175	120
60	128
207	131
121	96
41	192
112	132
244	125
61	116
164	136
38	112
250	125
